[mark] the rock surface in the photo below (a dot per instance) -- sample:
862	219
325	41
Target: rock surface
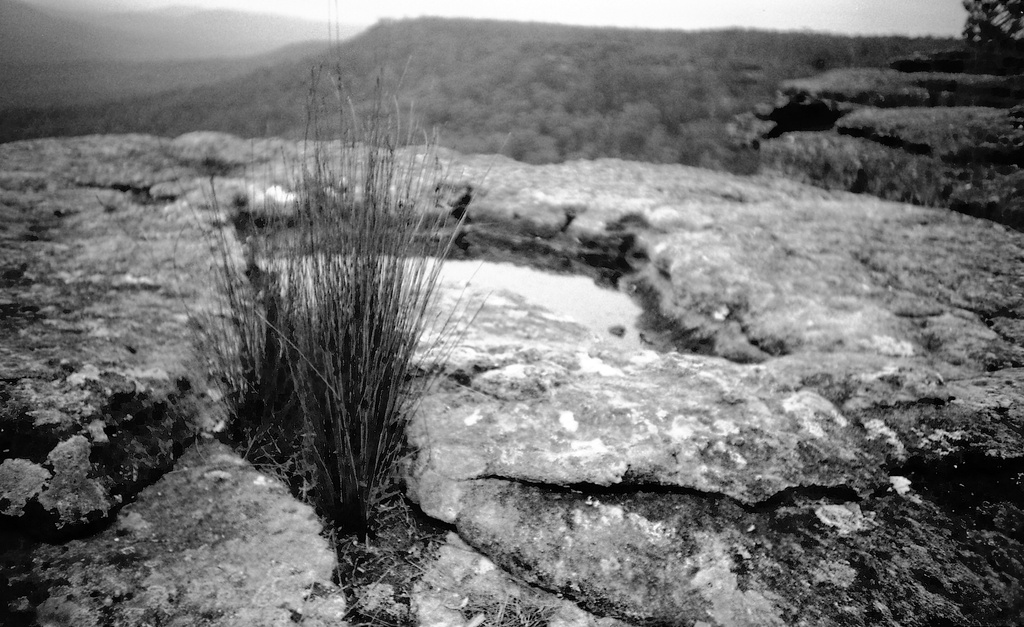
213	542
461	585
835	440
843	449
104	256
955	137
100	387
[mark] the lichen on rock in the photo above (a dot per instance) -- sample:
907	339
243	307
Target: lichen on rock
73	497
21	481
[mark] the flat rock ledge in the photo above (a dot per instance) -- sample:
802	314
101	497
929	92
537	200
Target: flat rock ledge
212	542
460	586
839	445
679	422
667	489
100	389
105	265
837	440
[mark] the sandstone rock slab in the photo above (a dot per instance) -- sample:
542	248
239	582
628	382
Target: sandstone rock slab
212	542
839	444
673	421
688	559
462	585
888	330
101	387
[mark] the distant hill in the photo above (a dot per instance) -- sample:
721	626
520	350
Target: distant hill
538	92
179	33
75	83
29	35
69	58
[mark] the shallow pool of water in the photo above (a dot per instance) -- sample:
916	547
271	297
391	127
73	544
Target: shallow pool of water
576	297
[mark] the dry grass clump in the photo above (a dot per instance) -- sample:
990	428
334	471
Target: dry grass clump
319	344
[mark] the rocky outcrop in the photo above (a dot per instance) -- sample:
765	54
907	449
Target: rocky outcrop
825	432
461	586
213	542
848	357
957	136
104	265
963	61
952	130
100	392
105	269
887	88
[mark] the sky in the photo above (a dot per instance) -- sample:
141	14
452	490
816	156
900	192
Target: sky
906	17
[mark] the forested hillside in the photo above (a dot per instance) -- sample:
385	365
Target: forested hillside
539	93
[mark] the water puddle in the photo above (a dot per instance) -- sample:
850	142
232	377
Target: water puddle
577	297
